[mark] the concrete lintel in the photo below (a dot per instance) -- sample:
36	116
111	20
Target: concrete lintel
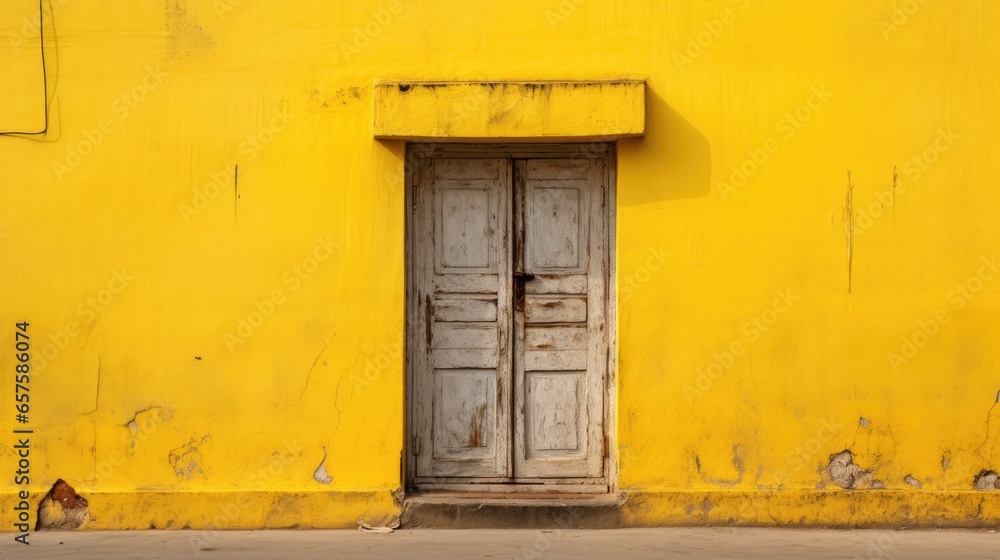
515	111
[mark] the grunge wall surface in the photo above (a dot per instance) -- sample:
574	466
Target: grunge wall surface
208	246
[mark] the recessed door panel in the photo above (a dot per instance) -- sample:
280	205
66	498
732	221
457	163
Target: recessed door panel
463	420
466	220
556	418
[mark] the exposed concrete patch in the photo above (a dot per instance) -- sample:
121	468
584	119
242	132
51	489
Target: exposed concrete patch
62	509
320	475
986	480
848	475
913	482
187	460
863	422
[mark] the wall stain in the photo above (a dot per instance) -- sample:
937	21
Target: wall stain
737	462
184	38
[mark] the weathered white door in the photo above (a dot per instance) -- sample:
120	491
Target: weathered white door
560	345
507	324
462	279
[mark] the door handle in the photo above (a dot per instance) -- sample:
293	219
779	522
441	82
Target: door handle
523	277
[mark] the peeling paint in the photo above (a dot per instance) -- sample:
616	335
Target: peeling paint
986	480
187	460
848	475
913	482
320	475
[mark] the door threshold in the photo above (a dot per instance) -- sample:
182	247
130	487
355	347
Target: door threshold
519	499
512	510
586	488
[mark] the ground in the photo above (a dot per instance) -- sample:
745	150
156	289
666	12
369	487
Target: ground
714	543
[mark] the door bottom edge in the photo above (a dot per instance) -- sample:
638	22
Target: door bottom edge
519	488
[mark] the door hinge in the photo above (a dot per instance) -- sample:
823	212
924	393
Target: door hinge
416	445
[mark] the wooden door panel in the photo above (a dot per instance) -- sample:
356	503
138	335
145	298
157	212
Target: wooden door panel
464	309
461	358
562	169
558	284
466	227
466	283
554	360
470	335
466	168
556	417
556	227
464	422
547	338
555	309
560	356
450	358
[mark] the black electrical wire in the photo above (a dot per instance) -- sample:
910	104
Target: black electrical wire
45	81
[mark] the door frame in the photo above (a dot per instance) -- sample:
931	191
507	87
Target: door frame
415	152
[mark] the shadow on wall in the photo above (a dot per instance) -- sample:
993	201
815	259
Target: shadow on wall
672	161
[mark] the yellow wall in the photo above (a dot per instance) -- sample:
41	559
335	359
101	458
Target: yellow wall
136	255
